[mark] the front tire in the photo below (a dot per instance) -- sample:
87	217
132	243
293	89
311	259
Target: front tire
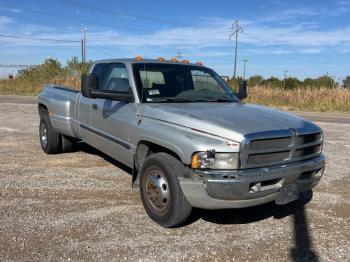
160	190
49	138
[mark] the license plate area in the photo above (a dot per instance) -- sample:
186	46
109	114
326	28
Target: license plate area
287	195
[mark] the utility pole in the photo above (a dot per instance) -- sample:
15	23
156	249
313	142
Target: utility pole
179	55
83	45
244	65
237	29
285	78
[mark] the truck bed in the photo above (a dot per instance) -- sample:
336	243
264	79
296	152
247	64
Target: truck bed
61	102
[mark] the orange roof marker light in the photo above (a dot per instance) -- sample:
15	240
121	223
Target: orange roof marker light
138	58
185	61
160	59
173	60
199	63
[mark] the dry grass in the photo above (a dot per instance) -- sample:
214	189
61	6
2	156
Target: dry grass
25	86
303	99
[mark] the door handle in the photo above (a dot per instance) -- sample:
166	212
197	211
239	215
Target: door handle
94	106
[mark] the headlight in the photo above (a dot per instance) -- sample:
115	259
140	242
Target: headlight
213	160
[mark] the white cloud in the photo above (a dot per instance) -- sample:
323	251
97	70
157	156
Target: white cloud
12	10
4	20
259	38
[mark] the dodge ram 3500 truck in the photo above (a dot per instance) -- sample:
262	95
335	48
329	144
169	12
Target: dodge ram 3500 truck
189	139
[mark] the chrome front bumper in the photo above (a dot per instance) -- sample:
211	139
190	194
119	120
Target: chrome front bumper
235	189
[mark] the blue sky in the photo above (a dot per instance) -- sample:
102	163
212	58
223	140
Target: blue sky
306	38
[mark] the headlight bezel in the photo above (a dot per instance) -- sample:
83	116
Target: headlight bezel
210	159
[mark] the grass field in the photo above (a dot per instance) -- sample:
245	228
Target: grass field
302	99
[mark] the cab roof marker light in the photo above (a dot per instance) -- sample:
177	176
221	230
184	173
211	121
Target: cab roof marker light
138	58
174	60
185	61
161	59
199	63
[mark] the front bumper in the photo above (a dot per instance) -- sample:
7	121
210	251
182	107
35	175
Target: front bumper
216	189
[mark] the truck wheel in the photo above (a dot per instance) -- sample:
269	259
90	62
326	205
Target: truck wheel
49	138
160	190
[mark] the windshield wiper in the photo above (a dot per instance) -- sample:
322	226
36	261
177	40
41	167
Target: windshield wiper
169	99
222	100
218	99
187	100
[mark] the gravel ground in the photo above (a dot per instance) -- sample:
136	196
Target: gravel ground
80	206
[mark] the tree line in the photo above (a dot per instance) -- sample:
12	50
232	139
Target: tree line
52	69
324	81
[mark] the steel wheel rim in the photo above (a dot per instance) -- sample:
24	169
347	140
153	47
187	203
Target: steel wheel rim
43	135
157	190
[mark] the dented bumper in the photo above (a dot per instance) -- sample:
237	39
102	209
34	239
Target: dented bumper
244	188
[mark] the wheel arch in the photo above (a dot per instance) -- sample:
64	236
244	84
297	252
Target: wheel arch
43	110
147	147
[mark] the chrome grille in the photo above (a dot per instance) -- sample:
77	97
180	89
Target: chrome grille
268	157
274	143
290	147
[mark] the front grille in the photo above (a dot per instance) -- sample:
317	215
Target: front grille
282	149
307	151
256	159
273	143
310	138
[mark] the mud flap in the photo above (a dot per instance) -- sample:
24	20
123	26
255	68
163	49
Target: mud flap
135	176
287	195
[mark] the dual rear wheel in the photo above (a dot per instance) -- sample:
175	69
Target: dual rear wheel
52	142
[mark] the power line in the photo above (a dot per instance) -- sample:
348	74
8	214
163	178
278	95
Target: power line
132	15
87	21
101	50
40	39
103	24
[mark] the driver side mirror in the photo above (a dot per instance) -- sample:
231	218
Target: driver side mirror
88	84
242	91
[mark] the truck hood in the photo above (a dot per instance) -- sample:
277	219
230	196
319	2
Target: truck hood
230	120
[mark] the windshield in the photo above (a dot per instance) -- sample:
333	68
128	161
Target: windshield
159	82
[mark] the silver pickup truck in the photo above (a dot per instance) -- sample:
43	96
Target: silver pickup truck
188	138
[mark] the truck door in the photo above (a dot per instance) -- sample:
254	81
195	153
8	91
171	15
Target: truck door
84	107
113	121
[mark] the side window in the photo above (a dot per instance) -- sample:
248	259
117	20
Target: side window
99	71
116	79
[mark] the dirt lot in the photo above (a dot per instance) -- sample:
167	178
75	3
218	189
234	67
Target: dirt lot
80	206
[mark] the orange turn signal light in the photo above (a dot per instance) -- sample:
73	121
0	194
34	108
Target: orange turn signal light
195	161
138	58
161	59
173	60
185	61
